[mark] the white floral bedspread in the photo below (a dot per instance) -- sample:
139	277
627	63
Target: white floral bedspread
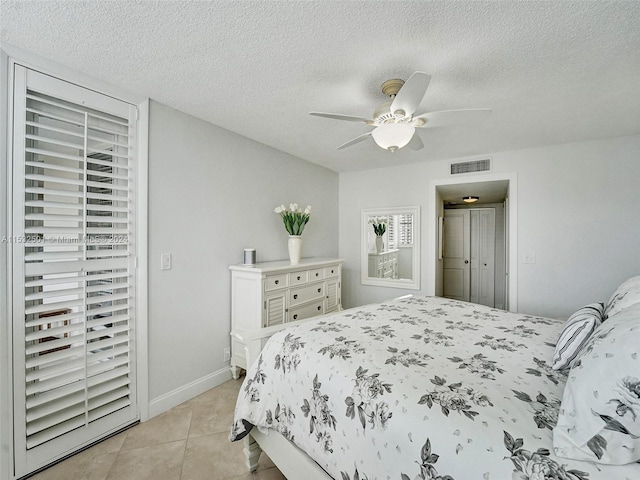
417	388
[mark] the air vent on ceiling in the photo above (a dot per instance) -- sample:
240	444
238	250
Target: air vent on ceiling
471	167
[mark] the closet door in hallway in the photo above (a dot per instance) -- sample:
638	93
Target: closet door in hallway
469	255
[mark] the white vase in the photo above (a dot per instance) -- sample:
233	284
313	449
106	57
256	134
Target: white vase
378	244
295	245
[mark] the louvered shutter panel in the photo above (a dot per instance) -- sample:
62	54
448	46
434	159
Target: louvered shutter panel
405	229
276	312
332	295
77	257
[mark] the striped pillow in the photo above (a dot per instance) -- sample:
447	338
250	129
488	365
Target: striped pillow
575	334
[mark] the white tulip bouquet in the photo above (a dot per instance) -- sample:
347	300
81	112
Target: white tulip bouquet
294	218
379	225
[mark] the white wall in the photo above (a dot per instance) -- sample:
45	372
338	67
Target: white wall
211	194
576	213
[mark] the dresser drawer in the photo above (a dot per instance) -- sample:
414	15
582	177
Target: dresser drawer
298	278
316	274
332	271
305	294
306	311
274	282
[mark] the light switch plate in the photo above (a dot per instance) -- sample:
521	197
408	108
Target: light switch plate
165	261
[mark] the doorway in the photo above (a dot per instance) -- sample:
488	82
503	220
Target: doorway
498	189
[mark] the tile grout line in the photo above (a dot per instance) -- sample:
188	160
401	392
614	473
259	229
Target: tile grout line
184	454
115	460
186	442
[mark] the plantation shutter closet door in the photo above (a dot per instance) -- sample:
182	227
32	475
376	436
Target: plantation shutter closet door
74	369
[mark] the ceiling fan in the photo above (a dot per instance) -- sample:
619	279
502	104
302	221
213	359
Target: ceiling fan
394	121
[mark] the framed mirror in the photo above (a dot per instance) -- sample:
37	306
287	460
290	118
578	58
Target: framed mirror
390	245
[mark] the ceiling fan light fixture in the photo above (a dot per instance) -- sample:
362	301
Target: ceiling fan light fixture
395	120
392	136
470	199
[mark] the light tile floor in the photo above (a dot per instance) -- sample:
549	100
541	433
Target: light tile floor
189	442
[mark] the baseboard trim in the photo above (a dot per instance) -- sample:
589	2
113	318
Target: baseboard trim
180	395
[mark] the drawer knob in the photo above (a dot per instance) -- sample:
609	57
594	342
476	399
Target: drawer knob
317	274
277	282
295	296
298	277
295	317
319	307
319	290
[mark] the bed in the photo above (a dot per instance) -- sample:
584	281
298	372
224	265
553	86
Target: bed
412	388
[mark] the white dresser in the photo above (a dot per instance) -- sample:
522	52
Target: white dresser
384	264
267	296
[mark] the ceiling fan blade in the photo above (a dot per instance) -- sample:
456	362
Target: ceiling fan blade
416	142
411	93
337	116
359	138
451	117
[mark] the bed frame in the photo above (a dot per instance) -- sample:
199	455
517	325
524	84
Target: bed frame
292	462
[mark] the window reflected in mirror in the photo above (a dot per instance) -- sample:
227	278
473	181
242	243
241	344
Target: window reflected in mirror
390	247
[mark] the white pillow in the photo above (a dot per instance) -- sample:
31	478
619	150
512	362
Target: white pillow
627	294
575	334
599	418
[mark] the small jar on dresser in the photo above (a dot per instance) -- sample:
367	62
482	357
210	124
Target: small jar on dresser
265	297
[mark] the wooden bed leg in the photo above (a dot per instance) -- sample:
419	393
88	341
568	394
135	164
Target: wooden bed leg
252	452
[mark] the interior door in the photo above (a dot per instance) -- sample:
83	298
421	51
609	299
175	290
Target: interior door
456	255
469	255
74	373
482	256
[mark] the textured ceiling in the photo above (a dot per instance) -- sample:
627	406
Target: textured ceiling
553	71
